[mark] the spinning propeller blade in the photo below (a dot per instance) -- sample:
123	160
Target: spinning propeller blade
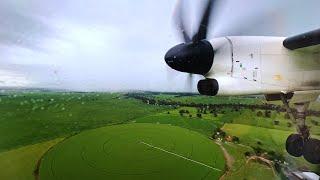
189	82
195	55
204	23
179	22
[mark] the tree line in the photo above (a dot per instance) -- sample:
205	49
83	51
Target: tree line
214	107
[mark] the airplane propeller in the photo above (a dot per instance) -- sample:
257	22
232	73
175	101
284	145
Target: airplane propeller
179	22
202	30
204	23
195	54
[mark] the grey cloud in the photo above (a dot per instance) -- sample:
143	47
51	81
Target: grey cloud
22	29
134	37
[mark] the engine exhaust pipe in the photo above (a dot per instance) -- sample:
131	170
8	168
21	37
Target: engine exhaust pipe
208	87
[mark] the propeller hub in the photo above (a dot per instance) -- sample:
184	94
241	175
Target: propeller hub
195	58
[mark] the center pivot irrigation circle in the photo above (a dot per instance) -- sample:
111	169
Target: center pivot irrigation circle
134	151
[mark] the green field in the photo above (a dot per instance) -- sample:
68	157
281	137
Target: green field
134	151
31	121
20	163
271	139
28	118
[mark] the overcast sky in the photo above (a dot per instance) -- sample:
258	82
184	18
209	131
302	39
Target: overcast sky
101	45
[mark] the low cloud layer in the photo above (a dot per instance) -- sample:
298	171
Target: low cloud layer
119	45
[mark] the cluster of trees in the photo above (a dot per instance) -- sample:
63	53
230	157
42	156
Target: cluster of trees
183	112
266	114
208	109
199	113
218	133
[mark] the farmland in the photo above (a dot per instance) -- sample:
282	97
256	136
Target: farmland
28	118
21	163
32	122
134	151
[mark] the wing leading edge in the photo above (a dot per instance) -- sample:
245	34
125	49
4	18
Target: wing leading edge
306	40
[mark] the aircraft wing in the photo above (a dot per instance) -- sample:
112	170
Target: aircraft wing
309	41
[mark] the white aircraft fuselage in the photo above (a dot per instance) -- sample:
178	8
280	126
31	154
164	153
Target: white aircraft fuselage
248	65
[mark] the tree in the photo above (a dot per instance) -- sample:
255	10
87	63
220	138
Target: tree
259	143
316	123
277	166
267	114
235	139
223	134
287	116
247	154
258	150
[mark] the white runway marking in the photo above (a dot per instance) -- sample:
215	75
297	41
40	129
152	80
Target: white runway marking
185	158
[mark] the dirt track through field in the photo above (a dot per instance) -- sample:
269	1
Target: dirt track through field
229	160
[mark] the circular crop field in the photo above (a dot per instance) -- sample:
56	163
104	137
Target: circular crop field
134	151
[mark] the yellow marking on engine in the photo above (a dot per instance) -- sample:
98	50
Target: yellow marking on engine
277	77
